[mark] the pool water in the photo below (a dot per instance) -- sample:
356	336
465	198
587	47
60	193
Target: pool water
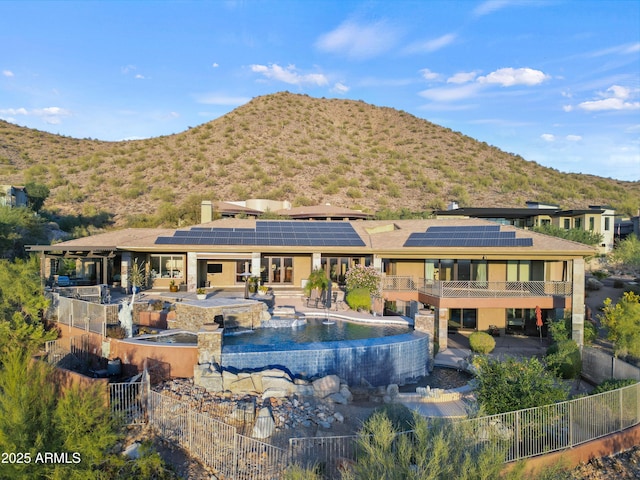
315	330
440	377
184	338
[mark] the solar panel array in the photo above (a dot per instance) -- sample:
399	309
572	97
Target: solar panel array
274	233
466	236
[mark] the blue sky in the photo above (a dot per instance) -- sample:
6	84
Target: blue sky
556	82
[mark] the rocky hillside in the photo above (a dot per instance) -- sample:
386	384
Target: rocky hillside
294	147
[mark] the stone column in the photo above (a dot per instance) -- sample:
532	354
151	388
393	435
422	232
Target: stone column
192	271
125	265
377	263
255	264
443	320
577	302
316	260
210	344
425	321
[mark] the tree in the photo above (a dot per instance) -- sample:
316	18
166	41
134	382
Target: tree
627	252
433	450
17	227
37	193
22	304
623	324
511	384
360	276
36	417
574	234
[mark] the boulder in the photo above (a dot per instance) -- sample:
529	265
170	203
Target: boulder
243	384
345	392
337	398
265	425
326	385
275	393
281	383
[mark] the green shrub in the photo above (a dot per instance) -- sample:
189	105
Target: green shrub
617	283
359	298
400	415
481	342
564	359
600	274
612	384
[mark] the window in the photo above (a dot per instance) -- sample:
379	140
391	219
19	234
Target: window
592	223
567	223
336	267
607	223
167	266
463	318
276	269
243	267
578	223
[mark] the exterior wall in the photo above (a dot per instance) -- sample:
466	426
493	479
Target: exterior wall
353	361
497	271
192	317
413	269
301	270
491	316
226	278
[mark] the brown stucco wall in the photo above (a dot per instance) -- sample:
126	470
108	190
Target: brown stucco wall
583	453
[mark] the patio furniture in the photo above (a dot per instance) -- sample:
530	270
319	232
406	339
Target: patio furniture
314	298
338	299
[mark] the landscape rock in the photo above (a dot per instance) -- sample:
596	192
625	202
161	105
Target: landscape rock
265	425
326	385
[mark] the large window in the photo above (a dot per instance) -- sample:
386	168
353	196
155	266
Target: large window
276	269
463	318
462	270
167	266
336	267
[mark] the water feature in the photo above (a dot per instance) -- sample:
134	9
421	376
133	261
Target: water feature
183	338
312	331
441	377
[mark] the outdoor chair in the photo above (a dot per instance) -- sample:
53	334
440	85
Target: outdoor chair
338	299
313	299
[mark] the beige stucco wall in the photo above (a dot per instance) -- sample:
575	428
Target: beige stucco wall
497	271
410	269
227	277
301	270
491	316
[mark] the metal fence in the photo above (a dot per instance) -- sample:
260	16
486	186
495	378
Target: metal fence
520	434
128	400
215	443
89	316
486	289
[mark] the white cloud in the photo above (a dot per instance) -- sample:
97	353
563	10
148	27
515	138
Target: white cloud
215	65
614	98
7	73
508	77
462	77
218	99
340	88
358	41
139	77
490	6
289	75
51	115
431	45
547	137
429	75
573	138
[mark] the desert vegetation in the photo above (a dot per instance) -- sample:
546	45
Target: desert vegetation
291	147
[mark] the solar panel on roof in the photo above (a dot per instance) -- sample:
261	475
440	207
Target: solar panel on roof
466	236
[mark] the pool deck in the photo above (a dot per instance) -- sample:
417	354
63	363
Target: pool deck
452	357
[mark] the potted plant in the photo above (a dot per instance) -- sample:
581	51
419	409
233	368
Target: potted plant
201	294
262	290
172	286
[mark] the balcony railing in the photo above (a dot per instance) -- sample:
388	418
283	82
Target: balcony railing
477	289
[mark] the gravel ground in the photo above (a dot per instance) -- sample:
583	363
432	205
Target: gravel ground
625	465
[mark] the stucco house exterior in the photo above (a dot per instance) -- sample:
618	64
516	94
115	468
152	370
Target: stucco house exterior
596	218
470	273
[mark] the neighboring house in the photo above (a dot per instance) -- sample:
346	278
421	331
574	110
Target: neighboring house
253	208
13	196
597	218
470	272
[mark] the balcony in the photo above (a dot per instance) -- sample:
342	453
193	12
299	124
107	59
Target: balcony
477	289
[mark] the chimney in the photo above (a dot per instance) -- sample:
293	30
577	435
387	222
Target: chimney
206	211
452	206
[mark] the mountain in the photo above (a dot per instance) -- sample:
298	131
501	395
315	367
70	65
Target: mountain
294	147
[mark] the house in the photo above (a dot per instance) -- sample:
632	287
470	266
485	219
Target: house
597	218
256	207
470	273
13	196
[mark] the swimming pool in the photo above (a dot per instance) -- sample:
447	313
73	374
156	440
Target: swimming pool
378	355
312	331
182	338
